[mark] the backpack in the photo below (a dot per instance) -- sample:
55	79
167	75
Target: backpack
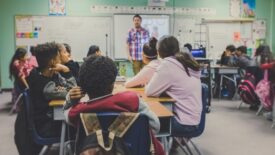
263	92
100	142
246	89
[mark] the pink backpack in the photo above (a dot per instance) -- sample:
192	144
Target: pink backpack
263	91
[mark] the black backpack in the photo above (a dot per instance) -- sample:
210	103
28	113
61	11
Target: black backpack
246	89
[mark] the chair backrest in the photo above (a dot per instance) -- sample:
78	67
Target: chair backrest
201	125
137	137
37	139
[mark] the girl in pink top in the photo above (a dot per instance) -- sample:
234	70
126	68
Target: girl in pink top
18	69
150	58
32	59
179	77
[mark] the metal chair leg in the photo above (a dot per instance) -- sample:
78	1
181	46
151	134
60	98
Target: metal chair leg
260	110
221	81
181	146
15	104
165	145
44	150
273	125
195	147
186	144
239	107
68	147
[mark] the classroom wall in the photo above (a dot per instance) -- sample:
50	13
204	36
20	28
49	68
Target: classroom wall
272	25
10	8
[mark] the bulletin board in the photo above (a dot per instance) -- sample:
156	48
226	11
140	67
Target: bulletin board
237	33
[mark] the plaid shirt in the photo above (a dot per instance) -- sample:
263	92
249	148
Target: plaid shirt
136	39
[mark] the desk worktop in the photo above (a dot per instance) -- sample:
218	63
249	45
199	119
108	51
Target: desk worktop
224	67
153	102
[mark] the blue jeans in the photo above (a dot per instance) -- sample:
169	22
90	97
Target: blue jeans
179	130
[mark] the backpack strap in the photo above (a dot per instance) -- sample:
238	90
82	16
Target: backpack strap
122	123
90	123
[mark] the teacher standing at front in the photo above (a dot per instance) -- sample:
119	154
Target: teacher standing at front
137	37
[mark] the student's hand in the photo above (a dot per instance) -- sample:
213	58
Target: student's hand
60	68
76	93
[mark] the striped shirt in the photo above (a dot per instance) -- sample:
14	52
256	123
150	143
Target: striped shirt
136	39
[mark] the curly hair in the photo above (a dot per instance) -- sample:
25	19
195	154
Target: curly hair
97	76
68	48
45	53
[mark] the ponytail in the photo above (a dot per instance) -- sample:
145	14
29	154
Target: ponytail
169	46
150	50
187	62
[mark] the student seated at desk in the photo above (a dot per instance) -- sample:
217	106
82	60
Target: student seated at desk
94	50
46	84
243	60
187	47
96	78
179	77
227	58
262	55
150	58
18	69
67	60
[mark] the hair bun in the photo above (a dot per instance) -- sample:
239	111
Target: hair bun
153	42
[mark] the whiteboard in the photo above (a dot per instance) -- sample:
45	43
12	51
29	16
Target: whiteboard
123	23
79	32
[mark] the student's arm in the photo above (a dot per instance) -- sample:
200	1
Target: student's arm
70	81
73	97
23	79
74	68
140	79
20	70
233	61
159	83
152	117
51	91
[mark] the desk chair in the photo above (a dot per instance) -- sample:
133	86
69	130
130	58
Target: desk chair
46	142
137	137
16	101
200	129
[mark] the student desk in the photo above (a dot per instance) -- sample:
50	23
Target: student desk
166	101
161	111
207	75
225	72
